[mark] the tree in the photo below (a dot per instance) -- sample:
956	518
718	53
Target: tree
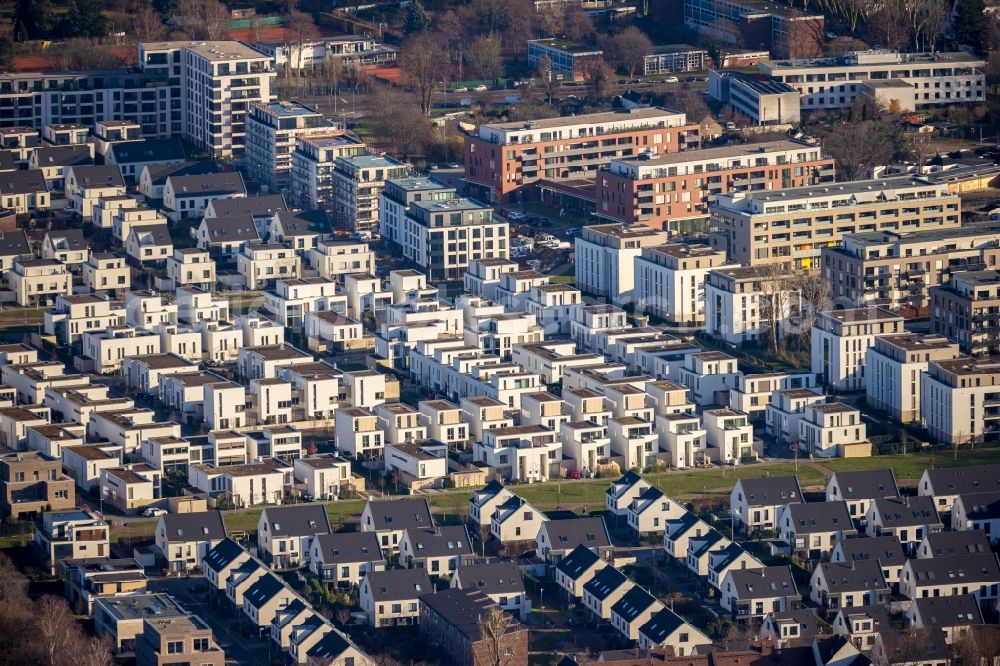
518	24
216	19
691	102
548	79
303	29
147	25
484	57
970	22
576	23
490	14
85	19
6	54
400	123
57	628
32	19
631	46
858	145
424	66
417	20
550	20
494	627
598	76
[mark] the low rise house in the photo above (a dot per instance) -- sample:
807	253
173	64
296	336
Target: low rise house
31	483
92	578
952	615
751	594
577	569
285	533
977	512
500	581
667	629
326	476
65	535
945	484
390	598
604	589
122	618
557	538
343	559
438	550
184	539
171	640
978	575
225	557
389	519
861	624
859	488
908	519
813	528
953	543
887	551
453	621
264	598
836	585
483	504
634	610
516	524
755	503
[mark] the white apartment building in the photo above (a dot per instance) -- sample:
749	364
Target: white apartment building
313	161
358	433
605	254
960	400
73	316
841	340
358	183
106	273
271	132
334	259
220	341
293	298
729	435
218	82
263	264
125	219
263	362
483	276
748	304
833	429
317	387
38	281
552	306
88	184
520	453
682	438
752	393
919	79
785	409
710	376
225	405
397	197
191	267
187	197
894	368
670	280
108	348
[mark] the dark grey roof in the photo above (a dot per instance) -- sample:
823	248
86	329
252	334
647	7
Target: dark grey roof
263	590
952	543
981	506
776	581
223	554
578	561
148	150
400	514
907	511
770	491
304	223
604	582
866	484
626	480
227	229
151	234
566	534
884	549
331	646
488	491
7	161
13	243
633	603
859	576
254	206
963	569
349	547
296	520
22	182
819	517
197	526
98	175
700	545
492	578
462	610
953	611
958	480
399	584
659	627
64	156
72	237
898	646
207	184
878	613
806	618
439	541
158	173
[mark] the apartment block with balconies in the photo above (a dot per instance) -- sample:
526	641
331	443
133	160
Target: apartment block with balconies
960	400
894	368
967	310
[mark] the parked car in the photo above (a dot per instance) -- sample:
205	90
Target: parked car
517	216
671	79
461	89
154	512
480	88
574	474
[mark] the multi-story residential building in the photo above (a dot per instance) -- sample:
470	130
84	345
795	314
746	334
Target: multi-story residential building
729	435
762	101
342	50
604	258
785	409
966	310
335	259
840	343
399	195
791	226
313	162
73	316
783	31
894	368
31	483
661	190
897	270
106	273
181	639
919	79
960	400
187	197
217	81
828	429
357	187
262	265
191	267
670	280
39	281
24	191
566	59
503	159
271	132
749	304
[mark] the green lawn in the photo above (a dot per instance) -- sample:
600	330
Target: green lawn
589	493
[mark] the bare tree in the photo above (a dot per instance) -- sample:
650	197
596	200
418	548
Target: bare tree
548	79
630	48
147	24
94	652
518	24
57	629
550	20
484	57
576	23
216	19
494	627
599	77
400	123
423	63
691	102
302	28
858	144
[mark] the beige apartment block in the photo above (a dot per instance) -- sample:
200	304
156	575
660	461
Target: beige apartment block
967	309
894	366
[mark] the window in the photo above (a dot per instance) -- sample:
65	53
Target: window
201	645
175	647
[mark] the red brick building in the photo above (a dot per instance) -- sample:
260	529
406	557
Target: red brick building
504	161
450	620
664	189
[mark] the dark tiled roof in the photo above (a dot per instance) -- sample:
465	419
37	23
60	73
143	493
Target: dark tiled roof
604	582
236	228
859	576
958	480
659	627
72	237
63	156
22	182
207	184
566	534
950	570
398	584
103	175
329	647
148	150
579	560
954	611
492	577
906	511
198	526
950	544
981	506
771	491
297	520
633	603
776	581
13	243
224	553
159	173
344	547
439	541
866	484
462	609
304	223
819	517
253	206
263	590
400	514
884	549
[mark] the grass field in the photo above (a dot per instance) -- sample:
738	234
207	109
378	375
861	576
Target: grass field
589	493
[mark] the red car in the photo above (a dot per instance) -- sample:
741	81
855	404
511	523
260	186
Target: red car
574	474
